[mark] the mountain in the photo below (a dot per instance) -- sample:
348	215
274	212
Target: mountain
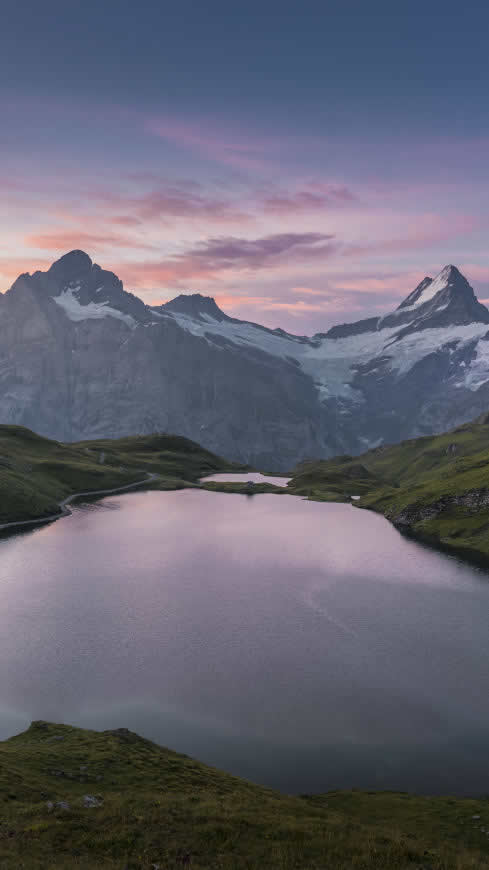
82	358
435	488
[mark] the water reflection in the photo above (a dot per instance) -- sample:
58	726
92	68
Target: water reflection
304	645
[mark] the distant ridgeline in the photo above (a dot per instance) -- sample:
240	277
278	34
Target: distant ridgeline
82	358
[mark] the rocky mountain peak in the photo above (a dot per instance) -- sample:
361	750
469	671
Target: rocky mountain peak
416	293
75	264
194	305
446	300
449	282
85	291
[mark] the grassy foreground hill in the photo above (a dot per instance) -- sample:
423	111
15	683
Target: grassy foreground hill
37	474
71	798
436	487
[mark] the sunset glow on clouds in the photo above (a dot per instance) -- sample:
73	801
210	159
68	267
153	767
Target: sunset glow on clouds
289	212
278	248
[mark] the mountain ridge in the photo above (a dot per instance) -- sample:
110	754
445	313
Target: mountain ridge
82	358
76	268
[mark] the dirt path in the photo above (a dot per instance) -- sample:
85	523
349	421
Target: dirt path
65	511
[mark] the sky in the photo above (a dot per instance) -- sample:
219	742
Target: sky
305	163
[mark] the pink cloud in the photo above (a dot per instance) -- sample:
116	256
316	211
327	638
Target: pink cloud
226	300
382	284
189	200
12	184
427	230
296	308
308	291
12	267
181	200
65	240
126	220
477	272
241	153
307	201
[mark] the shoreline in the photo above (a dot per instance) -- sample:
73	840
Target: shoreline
467	555
63	505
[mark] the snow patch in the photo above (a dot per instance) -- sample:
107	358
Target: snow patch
333	363
411	349
93	311
241	333
439	283
477	373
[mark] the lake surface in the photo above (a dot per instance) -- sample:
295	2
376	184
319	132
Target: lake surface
306	646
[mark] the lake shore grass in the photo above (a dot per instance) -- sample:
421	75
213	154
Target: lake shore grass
435	488
73	798
38	475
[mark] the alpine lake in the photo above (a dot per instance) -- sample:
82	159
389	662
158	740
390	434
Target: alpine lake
302	645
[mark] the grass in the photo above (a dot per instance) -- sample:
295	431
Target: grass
436	488
242	488
37	473
158	808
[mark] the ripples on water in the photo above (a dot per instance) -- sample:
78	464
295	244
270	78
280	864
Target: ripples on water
307	646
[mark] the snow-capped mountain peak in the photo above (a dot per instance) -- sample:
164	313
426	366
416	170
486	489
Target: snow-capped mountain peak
85	291
446	300
415	296
449	279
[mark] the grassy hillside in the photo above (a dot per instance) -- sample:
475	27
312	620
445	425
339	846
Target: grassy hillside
435	487
72	798
36	473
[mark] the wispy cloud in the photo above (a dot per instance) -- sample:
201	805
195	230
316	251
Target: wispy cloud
307	291
189	200
65	240
225	253
230	251
319	197
373	284
170	201
219	145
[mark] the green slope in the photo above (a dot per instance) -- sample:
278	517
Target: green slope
155	808
436	487
37	473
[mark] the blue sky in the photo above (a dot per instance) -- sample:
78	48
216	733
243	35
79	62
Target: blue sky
304	163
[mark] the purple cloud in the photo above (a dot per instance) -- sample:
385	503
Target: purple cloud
230	251
321	197
234	254
182	200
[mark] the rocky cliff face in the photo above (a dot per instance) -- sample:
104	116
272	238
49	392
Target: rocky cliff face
472	502
81	358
